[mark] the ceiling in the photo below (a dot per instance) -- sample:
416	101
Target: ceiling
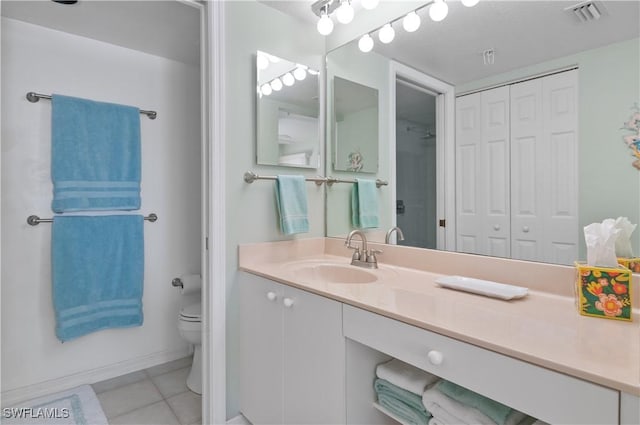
521	33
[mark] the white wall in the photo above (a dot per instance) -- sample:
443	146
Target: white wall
251	208
46	61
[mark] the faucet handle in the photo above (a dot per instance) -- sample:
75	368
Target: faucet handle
371	256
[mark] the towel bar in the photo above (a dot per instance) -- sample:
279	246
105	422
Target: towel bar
33	97
250	177
34	220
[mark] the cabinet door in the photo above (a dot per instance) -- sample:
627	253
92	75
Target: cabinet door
314	359
261	348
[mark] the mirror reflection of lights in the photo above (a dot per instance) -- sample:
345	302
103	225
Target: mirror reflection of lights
276	84
265	89
300	73
288	79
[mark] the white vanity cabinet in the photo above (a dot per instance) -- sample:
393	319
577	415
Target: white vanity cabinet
292	355
544	394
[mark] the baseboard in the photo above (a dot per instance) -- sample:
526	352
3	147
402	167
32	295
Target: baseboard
11	397
238	420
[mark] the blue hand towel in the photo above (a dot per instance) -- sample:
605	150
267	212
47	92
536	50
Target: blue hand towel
291	197
402	403
95	155
98	271
364	204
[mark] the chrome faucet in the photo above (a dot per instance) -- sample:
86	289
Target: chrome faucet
396	229
366	258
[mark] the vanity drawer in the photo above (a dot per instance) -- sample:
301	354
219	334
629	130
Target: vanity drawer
550	396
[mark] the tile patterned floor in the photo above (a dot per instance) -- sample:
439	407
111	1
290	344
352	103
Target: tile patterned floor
154	396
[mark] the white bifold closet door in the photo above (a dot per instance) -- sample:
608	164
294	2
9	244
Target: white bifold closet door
482	173
516	170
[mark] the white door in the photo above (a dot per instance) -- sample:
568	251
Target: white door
469	184
482	173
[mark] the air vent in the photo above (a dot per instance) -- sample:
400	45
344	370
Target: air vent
586	11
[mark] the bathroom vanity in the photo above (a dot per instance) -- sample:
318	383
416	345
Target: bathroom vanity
314	327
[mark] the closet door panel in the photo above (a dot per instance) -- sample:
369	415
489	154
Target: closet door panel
527	148
560	128
469	184
495	146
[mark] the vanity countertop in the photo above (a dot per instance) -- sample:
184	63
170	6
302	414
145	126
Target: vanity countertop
543	328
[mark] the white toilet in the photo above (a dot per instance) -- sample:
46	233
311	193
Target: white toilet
190	327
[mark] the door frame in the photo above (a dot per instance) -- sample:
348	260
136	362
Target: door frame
445	148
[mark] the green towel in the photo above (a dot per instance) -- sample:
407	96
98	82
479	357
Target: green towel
364	204
410	399
408	414
291	198
496	411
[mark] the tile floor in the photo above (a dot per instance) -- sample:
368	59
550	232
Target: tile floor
154	396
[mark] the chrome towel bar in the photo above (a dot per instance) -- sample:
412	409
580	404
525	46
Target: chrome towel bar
33	97
34	220
250	177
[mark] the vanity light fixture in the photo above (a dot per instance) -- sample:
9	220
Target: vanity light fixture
265	89
438	10
325	24
300	73
276	84
370	4
345	12
288	80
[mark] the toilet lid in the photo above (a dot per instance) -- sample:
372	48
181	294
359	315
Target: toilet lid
192	312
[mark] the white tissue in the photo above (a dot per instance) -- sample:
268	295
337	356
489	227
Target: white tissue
623	243
601	243
191	283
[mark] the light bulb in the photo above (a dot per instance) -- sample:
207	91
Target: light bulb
438	10
325	24
276	84
411	22
288	79
470	3
386	34
313	71
344	13
366	43
263	61
266	89
300	73
369	4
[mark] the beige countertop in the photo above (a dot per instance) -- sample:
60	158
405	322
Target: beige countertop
543	328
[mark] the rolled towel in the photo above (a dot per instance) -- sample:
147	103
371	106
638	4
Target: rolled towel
498	412
402	411
386	388
449	411
405	376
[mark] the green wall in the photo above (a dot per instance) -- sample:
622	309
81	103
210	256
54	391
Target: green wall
609	85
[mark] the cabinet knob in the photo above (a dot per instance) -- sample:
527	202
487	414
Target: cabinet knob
271	296
288	302
525	229
435	357
496	227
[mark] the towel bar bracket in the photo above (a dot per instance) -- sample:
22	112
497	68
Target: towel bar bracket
34	220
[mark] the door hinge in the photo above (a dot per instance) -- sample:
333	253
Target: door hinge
442	223
206	243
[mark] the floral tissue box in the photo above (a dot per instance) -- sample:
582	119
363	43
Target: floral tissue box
632	264
604	292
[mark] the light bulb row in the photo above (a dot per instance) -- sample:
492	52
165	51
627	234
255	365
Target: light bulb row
344	14
288	79
438	10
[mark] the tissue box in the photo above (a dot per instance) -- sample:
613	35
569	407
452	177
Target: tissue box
632	264
604	292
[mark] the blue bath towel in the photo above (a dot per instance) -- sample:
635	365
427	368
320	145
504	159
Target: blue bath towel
95	155
291	197
364	204
98	271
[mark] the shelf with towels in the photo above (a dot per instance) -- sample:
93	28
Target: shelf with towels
250	177
34	220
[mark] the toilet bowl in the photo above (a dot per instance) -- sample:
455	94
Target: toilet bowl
190	327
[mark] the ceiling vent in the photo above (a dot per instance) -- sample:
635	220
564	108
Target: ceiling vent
586	11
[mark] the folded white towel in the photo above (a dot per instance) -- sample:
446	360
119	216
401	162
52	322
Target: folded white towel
448	411
405	376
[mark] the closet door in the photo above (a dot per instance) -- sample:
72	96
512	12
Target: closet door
560	223
495	170
469	184
482	173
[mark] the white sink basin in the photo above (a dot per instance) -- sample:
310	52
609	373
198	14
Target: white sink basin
332	273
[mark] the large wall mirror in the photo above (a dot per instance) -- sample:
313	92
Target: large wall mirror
495	49
288	110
